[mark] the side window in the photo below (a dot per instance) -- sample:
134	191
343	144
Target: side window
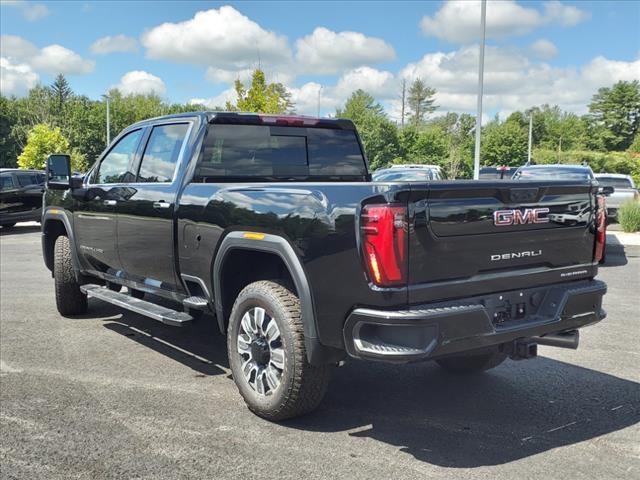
26	179
6	182
114	167
161	154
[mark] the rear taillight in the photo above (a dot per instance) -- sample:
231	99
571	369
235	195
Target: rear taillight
601	228
384	243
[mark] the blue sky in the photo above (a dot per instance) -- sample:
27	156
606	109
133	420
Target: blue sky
537	52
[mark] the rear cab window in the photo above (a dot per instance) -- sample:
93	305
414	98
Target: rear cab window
277	153
615	182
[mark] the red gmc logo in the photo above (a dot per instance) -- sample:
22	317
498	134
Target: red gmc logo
503	218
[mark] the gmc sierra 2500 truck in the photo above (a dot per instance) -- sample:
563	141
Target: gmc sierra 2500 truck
272	225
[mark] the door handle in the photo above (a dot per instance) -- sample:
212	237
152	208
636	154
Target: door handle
110	203
161	204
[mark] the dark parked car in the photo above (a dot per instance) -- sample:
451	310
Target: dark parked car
495	173
20	196
272	225
408	173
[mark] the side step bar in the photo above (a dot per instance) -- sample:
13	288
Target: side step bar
148	309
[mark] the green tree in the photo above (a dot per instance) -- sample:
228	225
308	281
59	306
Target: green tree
261	97
61	91
504	144
43	141
420	100
378	134
615	113
8	146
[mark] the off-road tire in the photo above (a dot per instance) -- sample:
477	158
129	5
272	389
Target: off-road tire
69	299
302	385
472	363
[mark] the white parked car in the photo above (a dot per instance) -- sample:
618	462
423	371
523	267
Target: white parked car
624	190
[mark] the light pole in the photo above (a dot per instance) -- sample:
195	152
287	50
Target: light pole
319	93
530	131
476	159
106	97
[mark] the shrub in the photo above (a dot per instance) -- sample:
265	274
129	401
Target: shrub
629	216
42	142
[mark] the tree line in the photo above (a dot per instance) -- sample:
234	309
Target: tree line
54	118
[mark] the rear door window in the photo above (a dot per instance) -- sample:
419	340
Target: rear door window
280	153
6	182
26	179
162	152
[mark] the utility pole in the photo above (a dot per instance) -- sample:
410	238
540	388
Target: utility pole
530	131
106	97
319	93
404	93
476	160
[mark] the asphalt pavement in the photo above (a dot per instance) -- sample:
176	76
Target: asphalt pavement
116	395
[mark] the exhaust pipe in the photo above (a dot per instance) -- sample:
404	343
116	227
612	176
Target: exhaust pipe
562	340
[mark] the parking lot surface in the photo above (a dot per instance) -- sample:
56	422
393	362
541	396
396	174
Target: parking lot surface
117	395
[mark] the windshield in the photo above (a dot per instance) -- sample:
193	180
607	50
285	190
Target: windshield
615	182
552	174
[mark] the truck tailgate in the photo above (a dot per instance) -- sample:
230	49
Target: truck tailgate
471	238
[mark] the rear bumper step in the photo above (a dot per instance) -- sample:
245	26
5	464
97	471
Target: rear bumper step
148	309
544	315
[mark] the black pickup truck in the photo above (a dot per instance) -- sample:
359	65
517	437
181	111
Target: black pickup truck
272	226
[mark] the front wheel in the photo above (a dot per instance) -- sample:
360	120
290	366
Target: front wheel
267	353
472	363
69	298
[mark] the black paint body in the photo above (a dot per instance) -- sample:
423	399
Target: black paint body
451	234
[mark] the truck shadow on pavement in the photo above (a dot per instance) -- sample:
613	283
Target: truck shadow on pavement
515	411
200	346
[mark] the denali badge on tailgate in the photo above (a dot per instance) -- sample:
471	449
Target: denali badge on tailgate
503	218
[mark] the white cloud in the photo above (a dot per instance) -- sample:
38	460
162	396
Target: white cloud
16	79
223	38
459	22
544	49
565	15
140	82
512	81
114	44
31	11
50	59
220	75
16	47
381	84
228	95
58	59
328	52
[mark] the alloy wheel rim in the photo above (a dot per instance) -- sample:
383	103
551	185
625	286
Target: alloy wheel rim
259	345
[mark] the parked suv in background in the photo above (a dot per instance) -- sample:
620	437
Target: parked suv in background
20	196
624	190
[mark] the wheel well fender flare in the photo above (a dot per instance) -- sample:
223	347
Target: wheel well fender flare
60	216
279	246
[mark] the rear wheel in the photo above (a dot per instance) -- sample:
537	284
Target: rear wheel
267	353
472	363
69	298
